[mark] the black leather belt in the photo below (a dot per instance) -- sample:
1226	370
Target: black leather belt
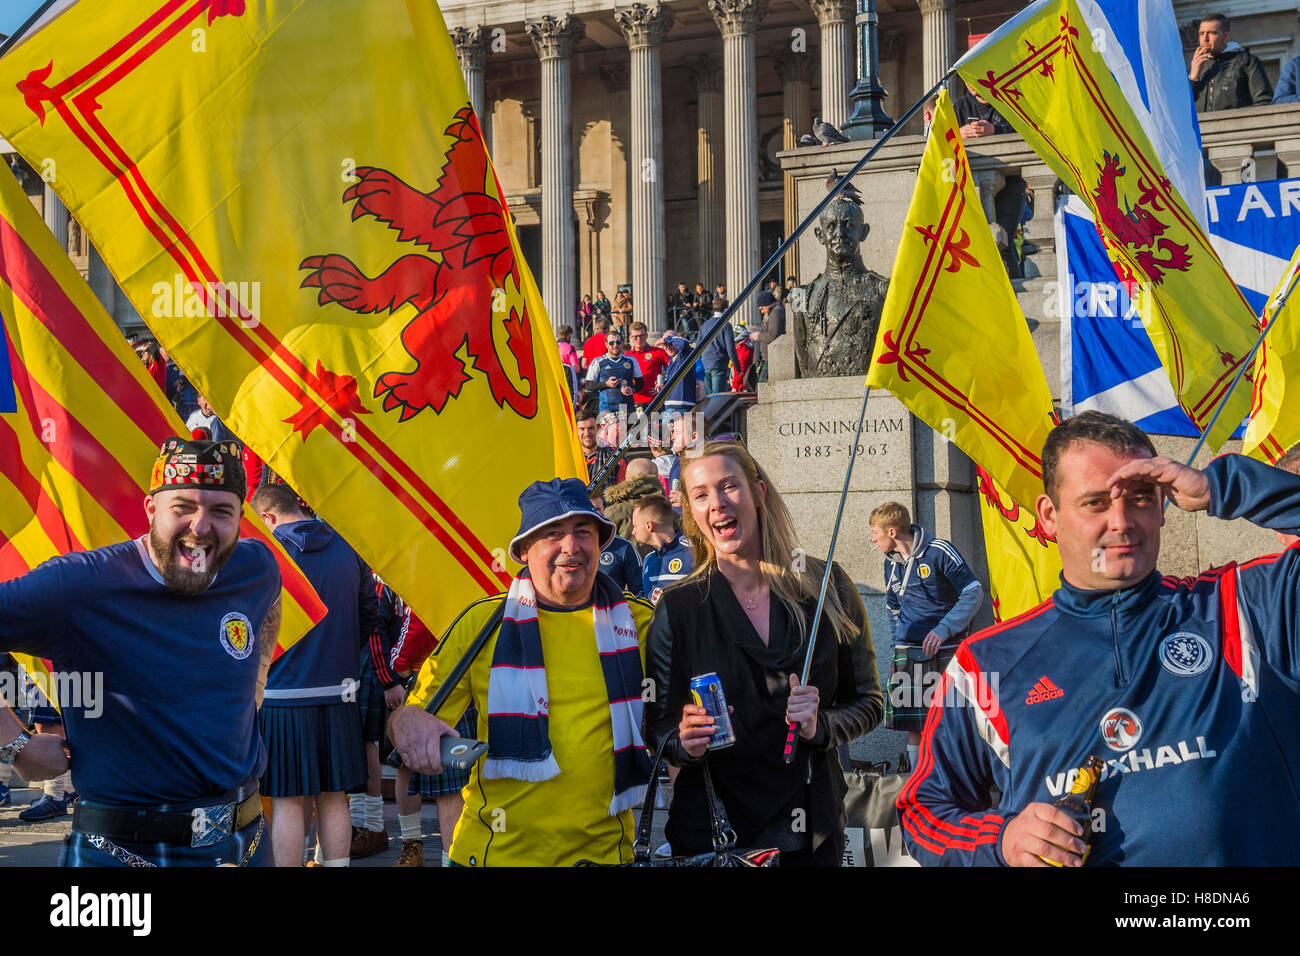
202	826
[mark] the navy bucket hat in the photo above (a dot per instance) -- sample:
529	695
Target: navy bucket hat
545	502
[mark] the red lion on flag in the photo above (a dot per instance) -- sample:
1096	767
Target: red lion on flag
458	295
1136	227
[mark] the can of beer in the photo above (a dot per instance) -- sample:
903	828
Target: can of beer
707	691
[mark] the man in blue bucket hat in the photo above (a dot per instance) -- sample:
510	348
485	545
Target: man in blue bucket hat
560	682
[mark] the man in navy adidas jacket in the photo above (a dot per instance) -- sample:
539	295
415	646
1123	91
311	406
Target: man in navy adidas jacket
1186	689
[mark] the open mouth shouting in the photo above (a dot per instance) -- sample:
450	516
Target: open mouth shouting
195	554
725	529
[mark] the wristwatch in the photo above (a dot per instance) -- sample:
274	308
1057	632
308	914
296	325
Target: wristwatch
10	751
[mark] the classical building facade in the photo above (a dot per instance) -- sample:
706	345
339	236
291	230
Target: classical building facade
637	143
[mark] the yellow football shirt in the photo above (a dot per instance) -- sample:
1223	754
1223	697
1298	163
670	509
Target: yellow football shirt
562	820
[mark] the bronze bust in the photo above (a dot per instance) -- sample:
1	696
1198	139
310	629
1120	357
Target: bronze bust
835	325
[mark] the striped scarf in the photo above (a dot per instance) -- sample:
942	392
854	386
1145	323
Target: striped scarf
519	744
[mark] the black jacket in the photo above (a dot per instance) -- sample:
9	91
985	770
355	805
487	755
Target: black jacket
699	627
968	109
1233	78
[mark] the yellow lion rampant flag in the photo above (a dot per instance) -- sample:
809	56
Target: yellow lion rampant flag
953	343
1024	565
297	199
1274	426
1044	74
81	422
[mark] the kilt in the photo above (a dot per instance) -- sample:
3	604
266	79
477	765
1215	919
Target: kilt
911	687
315	748
370	698
448	782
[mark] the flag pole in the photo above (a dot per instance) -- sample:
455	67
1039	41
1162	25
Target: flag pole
18	34
792	732
1240	371
752	284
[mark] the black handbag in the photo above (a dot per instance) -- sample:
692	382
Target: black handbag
724	851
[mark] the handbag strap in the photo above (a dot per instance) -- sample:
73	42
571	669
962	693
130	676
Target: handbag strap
641	845
724	837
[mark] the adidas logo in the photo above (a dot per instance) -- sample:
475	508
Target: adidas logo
1044	690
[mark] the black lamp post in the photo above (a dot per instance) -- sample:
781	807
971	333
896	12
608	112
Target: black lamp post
868	119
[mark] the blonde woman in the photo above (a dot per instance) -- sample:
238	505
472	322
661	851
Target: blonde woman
745	615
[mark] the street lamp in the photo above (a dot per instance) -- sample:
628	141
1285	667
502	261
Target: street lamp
868	119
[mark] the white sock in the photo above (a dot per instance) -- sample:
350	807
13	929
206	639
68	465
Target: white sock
374	819
345	861
57	787
446	858
410	824
914	754
6	773
357	806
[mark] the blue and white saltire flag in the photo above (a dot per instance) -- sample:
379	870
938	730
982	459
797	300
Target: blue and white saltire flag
1107	360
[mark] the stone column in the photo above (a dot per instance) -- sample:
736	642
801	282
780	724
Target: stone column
707	73
616	76
472	49
938	39
644	28
1230	160
795	71
1040	232
56	217
835	17
990	182
1288	154
555	40
738	21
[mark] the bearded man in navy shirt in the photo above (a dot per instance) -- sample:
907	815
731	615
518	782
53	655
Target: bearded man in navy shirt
180	624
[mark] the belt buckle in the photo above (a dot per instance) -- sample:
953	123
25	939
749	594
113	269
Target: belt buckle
212	825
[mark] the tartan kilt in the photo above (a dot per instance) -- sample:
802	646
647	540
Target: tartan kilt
911	686
370	700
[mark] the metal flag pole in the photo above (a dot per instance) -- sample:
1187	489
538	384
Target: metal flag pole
792	734
18	34
763	270
1277	312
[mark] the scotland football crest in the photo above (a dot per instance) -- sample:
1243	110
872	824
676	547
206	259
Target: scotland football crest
1185	654
236	634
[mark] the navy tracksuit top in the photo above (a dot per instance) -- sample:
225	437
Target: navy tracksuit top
1188	690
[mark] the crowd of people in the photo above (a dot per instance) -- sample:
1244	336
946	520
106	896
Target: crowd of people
626	597
615	368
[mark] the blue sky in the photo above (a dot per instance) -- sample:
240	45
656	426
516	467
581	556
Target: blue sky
13	13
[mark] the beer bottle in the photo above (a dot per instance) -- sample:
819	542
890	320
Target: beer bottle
1077	804
904	763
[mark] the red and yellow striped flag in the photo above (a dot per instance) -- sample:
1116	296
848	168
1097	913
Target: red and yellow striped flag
81	420
297	199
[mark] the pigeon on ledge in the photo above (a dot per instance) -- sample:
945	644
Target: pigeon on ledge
827	133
